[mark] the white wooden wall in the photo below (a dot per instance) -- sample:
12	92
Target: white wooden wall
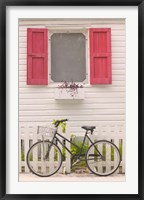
104	105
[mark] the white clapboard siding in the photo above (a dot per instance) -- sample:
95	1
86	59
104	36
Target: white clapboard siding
81	112
102	106
115	83
87	95
59	107
87	88
93	118
94	89
50	99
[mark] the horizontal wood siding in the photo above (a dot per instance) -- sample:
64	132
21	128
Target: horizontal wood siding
103	104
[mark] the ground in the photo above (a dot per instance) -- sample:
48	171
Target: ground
72	177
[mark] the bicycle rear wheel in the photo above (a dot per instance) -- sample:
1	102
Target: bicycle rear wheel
36	158
103	158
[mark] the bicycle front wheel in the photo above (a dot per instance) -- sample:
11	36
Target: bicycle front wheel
37	161
103	158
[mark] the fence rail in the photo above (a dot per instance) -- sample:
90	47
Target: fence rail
28	136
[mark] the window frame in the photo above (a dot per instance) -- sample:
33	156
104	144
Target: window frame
85	32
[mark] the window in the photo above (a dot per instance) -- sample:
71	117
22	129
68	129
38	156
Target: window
68	57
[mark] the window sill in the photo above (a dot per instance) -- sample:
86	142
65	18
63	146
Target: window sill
64	94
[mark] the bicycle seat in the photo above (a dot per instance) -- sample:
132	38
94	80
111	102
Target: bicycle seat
88	128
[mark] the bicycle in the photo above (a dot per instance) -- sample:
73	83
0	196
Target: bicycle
96	155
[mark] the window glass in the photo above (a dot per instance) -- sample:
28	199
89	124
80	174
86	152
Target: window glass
68	57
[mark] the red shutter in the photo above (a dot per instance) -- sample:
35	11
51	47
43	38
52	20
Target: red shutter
37	56
100	56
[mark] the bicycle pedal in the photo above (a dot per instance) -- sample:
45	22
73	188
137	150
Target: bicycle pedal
76	162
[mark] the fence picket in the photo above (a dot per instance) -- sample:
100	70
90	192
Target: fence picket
51	157
123	155
60	146
26	147
35	152
108	153
43	164
68	157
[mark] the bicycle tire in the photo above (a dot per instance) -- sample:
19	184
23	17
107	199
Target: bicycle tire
109	151
38	165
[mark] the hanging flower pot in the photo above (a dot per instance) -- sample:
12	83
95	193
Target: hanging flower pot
69	90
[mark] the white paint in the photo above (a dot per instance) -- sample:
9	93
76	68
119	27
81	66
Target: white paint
131	184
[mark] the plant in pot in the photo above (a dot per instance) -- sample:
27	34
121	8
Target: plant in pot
70	87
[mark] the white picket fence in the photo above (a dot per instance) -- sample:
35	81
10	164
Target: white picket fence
28	136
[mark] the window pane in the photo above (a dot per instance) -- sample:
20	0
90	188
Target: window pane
68	62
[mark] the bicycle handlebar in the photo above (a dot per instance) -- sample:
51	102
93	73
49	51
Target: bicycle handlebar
60	121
